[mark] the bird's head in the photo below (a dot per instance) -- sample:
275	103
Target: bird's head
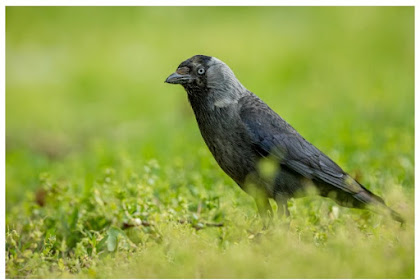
204	74
192	72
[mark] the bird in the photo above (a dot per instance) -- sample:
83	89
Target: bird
258	149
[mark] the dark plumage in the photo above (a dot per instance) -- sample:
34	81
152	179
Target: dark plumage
244	135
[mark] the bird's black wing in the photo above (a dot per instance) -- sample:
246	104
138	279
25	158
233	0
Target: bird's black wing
271	135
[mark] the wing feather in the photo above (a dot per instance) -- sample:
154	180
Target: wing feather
271	135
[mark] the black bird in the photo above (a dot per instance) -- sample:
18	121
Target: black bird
259	150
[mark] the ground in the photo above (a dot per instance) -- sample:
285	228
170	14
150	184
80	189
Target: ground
107	174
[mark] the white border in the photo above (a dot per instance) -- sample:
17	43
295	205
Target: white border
171	3
207	3
3	141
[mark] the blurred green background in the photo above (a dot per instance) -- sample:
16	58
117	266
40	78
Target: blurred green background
85	91
84	79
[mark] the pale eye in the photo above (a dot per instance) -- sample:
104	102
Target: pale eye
201	71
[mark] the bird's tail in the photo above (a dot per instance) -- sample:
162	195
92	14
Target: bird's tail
377	204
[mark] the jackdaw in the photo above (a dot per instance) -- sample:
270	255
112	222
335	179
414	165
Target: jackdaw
259	150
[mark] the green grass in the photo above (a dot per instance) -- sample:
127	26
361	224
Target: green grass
107	174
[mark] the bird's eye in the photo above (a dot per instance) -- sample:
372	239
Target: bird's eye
200	71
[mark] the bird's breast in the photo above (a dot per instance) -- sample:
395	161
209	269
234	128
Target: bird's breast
224	135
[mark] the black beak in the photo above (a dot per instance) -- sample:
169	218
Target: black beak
176	78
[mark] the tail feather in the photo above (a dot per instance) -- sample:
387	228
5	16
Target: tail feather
371	199
396	216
